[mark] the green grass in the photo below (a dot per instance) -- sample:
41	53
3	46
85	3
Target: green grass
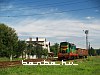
7	59
4	59
89	66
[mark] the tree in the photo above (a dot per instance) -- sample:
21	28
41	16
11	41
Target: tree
39	50
8	41
55	48
45	52
92	51
98	51
30	49
21	48
33	52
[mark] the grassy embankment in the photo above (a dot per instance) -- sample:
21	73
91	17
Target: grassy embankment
89	66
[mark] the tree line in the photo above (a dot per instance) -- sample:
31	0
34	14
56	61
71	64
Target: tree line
93	52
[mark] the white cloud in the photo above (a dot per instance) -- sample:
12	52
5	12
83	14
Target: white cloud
89	17
49	27
54	27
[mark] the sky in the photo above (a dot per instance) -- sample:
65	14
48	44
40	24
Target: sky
55	20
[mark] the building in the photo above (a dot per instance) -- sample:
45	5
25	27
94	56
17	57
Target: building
40	41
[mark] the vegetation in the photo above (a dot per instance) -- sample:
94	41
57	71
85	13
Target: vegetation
8	41
89	66
20	49
97	51
3	59
94	52
55	48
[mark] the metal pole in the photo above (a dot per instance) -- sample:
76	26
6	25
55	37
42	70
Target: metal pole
86	32
86	41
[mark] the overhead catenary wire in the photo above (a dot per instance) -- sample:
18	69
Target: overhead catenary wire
29	7
52	12
47	3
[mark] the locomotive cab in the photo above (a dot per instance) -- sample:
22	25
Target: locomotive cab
67	51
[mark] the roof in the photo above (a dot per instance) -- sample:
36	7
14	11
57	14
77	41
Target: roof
39	39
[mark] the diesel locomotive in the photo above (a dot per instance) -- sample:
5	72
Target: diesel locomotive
69	51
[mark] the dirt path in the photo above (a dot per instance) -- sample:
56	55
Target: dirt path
4	64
